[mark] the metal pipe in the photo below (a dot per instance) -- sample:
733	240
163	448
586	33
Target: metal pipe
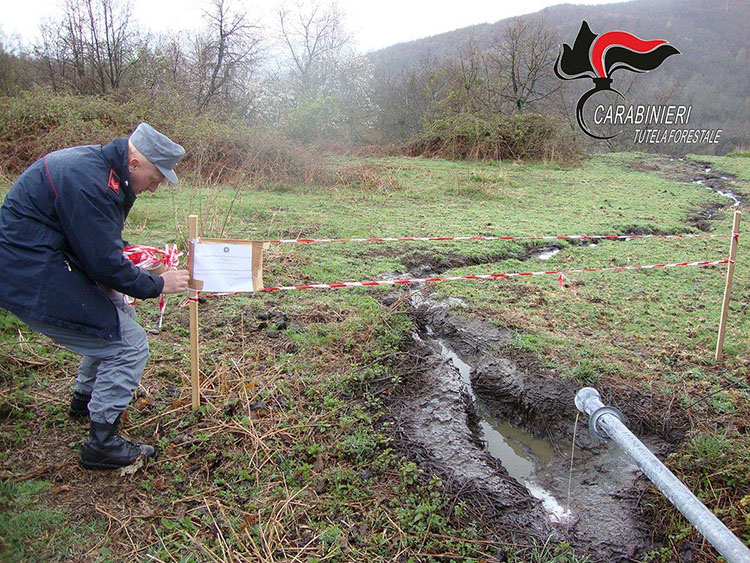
607	422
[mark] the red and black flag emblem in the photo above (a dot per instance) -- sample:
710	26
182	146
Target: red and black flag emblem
597	57
114	181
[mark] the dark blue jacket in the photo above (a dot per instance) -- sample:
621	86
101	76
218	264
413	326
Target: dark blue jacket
61	233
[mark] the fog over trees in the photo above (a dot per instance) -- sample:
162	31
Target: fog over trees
302	76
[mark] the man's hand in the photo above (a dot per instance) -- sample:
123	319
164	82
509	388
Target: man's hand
175	281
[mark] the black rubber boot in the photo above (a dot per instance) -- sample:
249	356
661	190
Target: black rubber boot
79	405
105	449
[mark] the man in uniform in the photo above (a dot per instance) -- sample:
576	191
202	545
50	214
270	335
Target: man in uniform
64	273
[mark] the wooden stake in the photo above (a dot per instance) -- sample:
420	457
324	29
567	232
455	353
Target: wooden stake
728	287
194	357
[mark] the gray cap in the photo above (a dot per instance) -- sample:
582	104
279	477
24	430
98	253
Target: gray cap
159	149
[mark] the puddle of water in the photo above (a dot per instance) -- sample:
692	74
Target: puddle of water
731	196
522	455
463	368
523	452
725	193
547	254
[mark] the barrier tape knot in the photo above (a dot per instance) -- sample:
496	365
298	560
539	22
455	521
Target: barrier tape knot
150	258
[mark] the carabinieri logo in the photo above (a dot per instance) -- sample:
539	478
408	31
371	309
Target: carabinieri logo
597	57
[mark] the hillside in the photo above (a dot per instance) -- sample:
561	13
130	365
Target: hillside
711	72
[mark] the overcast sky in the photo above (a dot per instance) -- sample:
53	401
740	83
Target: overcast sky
374	23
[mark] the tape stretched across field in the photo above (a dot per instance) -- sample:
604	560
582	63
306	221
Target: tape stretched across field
214	266
491	276
490	238
247	271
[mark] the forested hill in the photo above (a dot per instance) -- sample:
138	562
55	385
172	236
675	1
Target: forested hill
712	36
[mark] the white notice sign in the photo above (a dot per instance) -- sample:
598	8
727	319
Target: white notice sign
223	267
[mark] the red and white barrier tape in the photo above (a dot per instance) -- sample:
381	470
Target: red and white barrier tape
491	238
561	282
560	273
150	258
490	276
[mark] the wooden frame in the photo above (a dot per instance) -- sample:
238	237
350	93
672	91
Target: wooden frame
196	285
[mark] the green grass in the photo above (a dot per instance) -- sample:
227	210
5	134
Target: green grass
515	199
293	452
32	531
733	164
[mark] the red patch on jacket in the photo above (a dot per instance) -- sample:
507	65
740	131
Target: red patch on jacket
114	182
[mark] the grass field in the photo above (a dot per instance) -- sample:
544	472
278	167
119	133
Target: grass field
294	455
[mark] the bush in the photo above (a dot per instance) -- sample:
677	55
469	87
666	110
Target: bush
519	137
35	123
217	149
234	152
741	152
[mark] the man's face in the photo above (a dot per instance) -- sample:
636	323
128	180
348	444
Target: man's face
144	176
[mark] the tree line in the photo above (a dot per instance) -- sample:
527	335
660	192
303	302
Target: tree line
301	74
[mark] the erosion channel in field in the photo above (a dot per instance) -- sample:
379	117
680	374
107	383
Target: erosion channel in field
502	435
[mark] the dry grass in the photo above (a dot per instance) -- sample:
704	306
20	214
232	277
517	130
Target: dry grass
261	473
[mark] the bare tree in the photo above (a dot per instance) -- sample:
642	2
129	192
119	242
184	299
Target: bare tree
512	75
91	49
108	27
14	66
331	85
162	67
466	76
60	53
521	59
407	98
226	55
314	37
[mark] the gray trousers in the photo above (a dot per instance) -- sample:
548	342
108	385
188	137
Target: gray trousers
109	371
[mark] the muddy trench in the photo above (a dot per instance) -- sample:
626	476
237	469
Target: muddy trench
501	436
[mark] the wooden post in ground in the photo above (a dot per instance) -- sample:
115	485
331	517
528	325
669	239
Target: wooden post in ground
728	287
194	357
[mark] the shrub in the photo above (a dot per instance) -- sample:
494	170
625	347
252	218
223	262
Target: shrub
743	151
39	122
360	175
217	149
359	446
519	137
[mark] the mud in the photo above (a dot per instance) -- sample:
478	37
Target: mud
700	217
423	264
439	425
693	172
